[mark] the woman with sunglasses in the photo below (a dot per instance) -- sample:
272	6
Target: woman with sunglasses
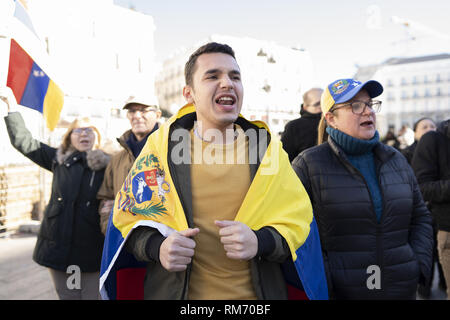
375	229
69	239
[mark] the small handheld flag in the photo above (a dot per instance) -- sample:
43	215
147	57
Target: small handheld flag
32	87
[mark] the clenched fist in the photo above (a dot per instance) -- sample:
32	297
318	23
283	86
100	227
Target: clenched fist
177	250
239	241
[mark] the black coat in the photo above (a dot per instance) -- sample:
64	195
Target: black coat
300	134
431	163
408	152
70	230
352	239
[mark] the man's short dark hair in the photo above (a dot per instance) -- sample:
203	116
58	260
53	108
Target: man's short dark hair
211	47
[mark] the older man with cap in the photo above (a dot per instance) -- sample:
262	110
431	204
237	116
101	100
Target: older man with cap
143	114
374	227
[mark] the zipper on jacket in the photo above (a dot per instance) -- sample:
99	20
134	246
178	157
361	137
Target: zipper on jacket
261	286
380	257
91	182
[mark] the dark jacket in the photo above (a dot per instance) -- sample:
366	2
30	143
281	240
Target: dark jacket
144	242
300	134
352	239
70	230
431	163
408	152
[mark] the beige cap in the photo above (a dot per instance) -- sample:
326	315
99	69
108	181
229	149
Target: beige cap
150	101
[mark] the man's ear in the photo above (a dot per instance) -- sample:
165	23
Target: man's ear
188	94
330	118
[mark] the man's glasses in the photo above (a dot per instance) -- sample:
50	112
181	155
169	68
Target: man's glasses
358	107
143	111
87	130
315	105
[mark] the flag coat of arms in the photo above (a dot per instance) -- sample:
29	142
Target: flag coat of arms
275	198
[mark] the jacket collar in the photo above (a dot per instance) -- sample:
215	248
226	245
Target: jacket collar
381	151
94	159
306	114
70	156
181	174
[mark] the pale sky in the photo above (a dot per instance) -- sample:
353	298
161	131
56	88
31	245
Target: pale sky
338	34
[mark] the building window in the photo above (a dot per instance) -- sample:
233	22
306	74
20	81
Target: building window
390	83
404	95
261	53
271	60
403	82
438	92
115	113
438	78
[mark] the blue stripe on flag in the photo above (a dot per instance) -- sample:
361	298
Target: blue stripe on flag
36	89
113	241
309	265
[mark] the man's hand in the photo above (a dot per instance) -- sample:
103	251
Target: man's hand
177	250
239	241
7	96
104	211
106	206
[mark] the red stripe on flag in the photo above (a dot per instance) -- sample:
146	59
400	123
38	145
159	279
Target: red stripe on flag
20	64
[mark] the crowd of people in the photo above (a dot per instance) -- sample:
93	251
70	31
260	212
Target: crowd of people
334	201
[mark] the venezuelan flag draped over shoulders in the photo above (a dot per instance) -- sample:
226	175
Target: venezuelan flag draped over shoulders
31	86
276	198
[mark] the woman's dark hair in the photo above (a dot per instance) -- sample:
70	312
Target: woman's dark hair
418	121
211	47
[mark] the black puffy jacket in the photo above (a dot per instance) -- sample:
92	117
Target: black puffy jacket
431	163
352	239
300	134
70	230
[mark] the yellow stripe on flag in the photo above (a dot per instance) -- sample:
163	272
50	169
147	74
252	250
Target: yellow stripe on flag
53	103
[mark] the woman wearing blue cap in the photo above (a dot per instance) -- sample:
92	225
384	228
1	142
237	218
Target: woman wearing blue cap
375	229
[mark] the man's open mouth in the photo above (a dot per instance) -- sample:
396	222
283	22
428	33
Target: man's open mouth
226	100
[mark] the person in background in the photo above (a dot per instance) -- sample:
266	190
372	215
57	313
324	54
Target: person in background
143	114
431	163
421	126
301	133
391	139
405	137
70	234
374	227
